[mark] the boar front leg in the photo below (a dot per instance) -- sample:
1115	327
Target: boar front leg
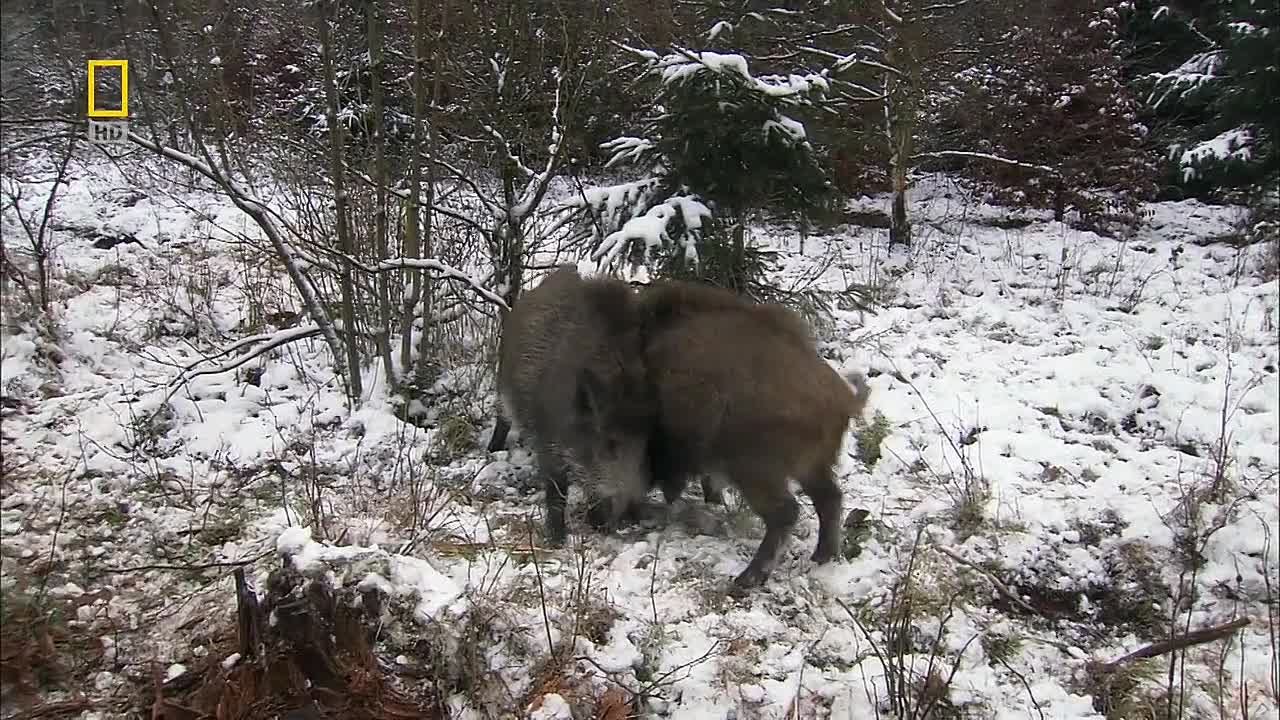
610	512
555	478
712	491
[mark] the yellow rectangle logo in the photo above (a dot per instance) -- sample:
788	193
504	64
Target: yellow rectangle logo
123	112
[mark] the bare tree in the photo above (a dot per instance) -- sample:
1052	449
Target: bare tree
36	225
377	57
524	94
337	167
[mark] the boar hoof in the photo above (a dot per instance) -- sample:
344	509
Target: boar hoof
822	555
749	579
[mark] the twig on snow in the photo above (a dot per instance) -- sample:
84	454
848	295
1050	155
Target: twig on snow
237	564
995	582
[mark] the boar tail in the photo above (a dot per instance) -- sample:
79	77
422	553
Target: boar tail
861	392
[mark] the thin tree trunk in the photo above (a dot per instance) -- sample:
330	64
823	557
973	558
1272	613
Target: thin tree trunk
347	311
413	228
380	179
40	245
428	235
511	237
510	230
737	279
901	135
412	278
900	229
899	120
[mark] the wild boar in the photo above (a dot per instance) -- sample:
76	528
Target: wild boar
570	376
743	395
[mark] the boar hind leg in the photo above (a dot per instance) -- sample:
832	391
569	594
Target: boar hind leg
664	471
827	499
501	427
555	478
770	498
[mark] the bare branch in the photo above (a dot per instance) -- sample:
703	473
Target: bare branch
447	271
929	9
271	341
264	219
995	582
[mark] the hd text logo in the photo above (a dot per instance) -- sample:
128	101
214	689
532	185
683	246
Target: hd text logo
108	126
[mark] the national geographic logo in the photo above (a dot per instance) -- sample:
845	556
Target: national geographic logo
108	126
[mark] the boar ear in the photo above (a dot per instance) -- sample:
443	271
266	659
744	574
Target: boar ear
588	394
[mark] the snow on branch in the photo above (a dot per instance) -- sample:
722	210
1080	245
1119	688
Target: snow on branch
652	230
258	344
263	216
445	270
502	142
1232	145
790	129
609	206
962	154
1196	72
624	150
683	65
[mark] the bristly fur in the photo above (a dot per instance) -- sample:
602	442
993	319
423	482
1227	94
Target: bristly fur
570	374
741	391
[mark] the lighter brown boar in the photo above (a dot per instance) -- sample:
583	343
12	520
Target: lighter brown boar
742	394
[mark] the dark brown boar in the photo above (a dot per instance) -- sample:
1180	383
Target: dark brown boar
743	395
570	376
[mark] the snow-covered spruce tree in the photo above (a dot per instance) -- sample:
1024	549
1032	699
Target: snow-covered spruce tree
720	144
1251	100
1216	106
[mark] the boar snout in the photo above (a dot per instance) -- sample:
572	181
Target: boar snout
621	484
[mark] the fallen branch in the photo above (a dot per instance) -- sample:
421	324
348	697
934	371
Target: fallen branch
1180	642
463	549
195	567
64	709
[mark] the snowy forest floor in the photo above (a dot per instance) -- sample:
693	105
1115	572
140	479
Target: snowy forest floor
1079	457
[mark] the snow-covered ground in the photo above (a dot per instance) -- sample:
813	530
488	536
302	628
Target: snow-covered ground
1084	427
